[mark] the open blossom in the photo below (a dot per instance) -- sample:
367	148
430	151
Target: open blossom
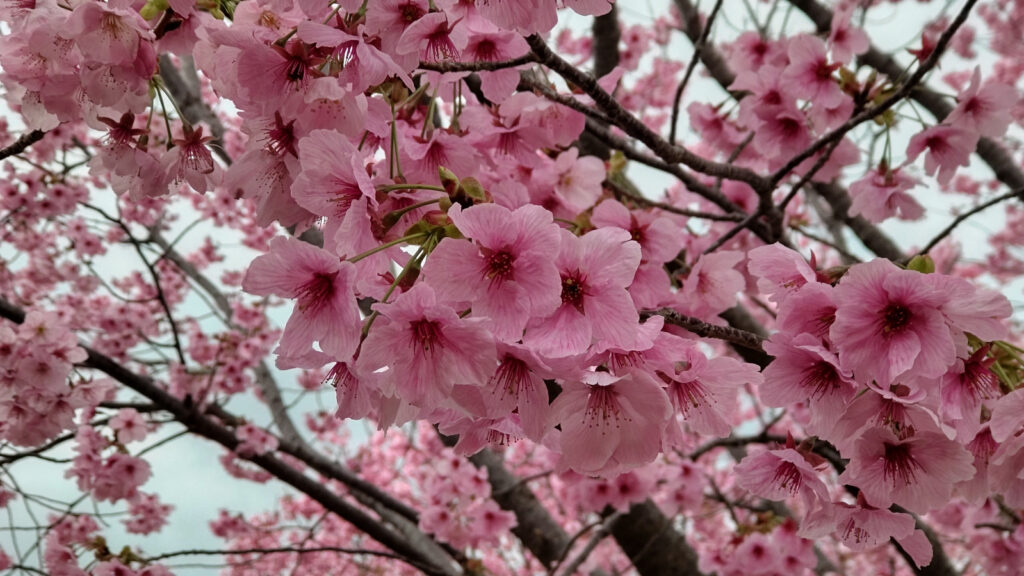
780	474
106	34
505	270
322	287
805	370
595	271
949	147
703	392
427	348
433	38
882	193
810	73
862	527
517	385
889	322
779	270
576	181
129	425
983	109
610	424
917	472
845	39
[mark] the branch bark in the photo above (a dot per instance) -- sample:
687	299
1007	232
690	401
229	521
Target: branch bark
22	143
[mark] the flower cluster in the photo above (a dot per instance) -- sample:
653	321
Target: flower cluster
36	358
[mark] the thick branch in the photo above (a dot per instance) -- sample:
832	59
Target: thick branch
22	143
653	544
535	528
606	34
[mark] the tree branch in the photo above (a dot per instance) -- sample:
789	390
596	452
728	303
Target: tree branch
632	125
202	425
701	328
1006	169
22	143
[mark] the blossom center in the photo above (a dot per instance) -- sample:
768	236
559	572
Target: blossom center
824	71
426	333
573	291
439	44
822	377
602	408
510	378
411	13
112	25
499	265
281	138
316	292
788	476
896	317
486	50
900	464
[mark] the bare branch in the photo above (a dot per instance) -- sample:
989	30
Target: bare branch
698	46
959	219
264	551
22	143
637	129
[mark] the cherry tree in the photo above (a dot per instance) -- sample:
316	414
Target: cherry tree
514	286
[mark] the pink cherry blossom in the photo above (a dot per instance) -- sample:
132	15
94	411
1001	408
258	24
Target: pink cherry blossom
779	270
983	109
780	474
322	286
810	72
917	472
506	273
595	271
129	425
889	322
882	193
427	348
610	424
949	147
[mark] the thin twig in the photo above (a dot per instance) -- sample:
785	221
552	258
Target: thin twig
959	219
697	47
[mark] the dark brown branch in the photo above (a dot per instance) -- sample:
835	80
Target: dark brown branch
653	544
606	34
264	551
535	527
22	143
701	328
480	66
632	125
